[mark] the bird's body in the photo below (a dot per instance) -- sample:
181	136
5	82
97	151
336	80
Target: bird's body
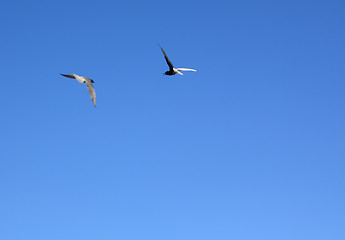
172	70
88	83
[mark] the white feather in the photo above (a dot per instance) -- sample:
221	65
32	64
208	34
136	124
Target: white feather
79	78
186	69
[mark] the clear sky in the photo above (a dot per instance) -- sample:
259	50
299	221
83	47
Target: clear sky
250	147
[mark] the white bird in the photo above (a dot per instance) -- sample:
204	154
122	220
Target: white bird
88	83
172	70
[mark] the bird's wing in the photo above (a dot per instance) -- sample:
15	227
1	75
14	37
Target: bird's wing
171	67
91	92
186	69
66	75
79	78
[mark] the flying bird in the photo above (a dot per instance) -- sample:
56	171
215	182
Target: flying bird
172	70
88	83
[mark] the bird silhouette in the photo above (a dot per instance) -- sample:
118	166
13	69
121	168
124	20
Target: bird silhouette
172	70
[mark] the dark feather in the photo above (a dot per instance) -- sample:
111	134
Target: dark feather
167	59
66	75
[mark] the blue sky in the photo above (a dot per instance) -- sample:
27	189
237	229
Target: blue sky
250	147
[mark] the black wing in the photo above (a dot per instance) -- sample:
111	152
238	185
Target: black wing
167	59
66	75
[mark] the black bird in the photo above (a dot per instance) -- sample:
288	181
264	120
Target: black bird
172	70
